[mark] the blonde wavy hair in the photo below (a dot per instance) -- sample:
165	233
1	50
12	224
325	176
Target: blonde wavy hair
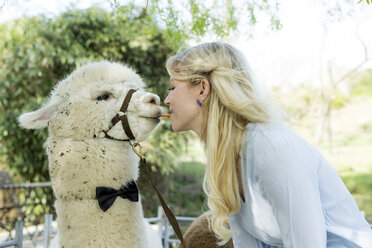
233	102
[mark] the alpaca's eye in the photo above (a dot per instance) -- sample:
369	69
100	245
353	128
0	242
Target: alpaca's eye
103	97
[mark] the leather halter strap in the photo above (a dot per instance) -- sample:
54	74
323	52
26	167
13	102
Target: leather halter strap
123	118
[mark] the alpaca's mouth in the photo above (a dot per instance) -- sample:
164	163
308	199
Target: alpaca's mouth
155	118
157	115
150	117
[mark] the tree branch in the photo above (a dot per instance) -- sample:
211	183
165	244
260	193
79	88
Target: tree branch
352	71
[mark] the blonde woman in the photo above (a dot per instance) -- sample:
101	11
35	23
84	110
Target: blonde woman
276	189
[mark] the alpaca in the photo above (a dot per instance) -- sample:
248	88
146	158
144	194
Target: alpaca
199	234
82	157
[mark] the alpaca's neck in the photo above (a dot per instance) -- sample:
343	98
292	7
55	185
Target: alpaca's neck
78	167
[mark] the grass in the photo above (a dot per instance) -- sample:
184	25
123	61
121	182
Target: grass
185	192
193	168
360	186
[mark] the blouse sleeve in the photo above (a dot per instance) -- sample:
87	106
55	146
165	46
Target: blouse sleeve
241	237
287	175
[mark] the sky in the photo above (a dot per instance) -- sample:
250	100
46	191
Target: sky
288	57
297	52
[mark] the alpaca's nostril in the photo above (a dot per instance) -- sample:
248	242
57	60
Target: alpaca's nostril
152	100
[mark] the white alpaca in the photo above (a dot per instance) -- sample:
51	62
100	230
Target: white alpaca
81	158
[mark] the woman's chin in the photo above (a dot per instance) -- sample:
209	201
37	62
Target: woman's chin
176	128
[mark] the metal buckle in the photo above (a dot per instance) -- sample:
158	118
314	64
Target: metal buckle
136	147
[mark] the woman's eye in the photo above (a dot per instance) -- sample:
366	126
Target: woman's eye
171	89
103	97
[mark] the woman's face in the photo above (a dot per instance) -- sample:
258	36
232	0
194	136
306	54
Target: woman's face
186	114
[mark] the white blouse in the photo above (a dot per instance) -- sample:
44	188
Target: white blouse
293	196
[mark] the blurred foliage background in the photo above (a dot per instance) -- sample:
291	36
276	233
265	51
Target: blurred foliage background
37	52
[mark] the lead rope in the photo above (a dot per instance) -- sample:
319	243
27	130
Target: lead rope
172	219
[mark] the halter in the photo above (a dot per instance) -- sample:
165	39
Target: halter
123	118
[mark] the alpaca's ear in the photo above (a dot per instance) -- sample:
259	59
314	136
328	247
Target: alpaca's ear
38	118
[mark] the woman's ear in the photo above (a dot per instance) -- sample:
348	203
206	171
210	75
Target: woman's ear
205	87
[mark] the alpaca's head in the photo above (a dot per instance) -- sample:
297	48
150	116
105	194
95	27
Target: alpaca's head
82	105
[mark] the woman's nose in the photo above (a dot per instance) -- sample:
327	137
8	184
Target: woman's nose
166	100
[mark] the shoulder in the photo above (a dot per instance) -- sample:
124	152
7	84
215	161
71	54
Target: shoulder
272	145
270	135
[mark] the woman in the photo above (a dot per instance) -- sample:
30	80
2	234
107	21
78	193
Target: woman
275	188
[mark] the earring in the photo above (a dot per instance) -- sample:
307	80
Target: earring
199	103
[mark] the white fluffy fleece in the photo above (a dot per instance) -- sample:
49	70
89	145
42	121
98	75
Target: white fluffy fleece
81	159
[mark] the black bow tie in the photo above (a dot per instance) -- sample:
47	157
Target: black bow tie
107	196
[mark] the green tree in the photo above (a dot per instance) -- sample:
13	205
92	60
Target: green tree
367	1
193	19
